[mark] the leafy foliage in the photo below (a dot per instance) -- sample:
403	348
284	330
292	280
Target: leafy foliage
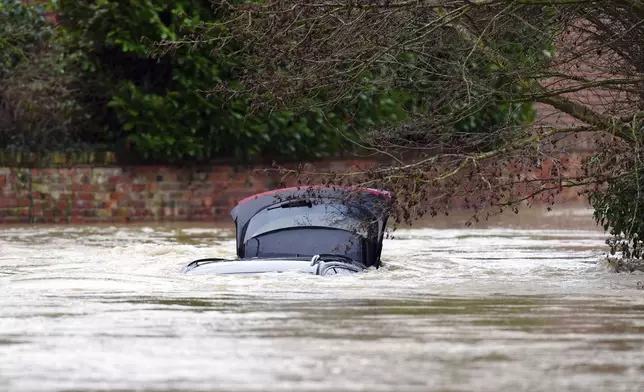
39	109
161	102
456	97
619	205
21	32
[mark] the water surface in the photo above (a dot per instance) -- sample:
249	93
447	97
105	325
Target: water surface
516	305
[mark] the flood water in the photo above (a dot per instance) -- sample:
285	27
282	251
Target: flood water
517	305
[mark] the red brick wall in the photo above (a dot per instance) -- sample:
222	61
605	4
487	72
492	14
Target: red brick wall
131	194
151	193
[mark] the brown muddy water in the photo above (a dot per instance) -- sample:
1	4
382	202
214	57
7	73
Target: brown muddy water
521	304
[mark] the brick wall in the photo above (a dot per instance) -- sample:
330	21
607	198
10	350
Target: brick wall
93	194
133	193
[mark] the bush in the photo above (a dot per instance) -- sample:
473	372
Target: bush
619	206
39	109
98	82
160	103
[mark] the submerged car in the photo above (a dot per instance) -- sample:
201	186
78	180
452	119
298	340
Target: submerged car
319	230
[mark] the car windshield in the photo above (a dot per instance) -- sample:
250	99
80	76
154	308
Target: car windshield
292	215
